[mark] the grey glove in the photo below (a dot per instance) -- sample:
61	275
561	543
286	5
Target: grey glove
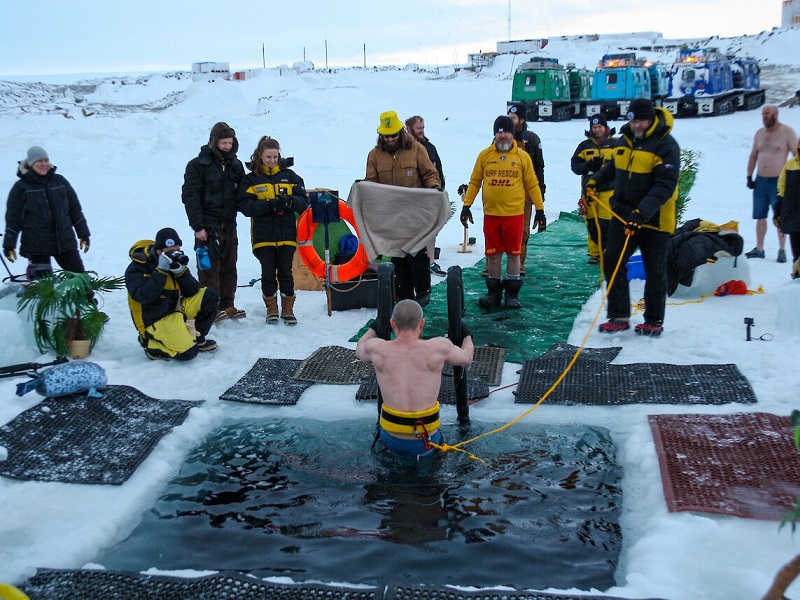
164	262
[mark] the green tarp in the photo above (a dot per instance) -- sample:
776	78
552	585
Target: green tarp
557	283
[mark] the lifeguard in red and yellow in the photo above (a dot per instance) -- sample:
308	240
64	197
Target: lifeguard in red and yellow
503	173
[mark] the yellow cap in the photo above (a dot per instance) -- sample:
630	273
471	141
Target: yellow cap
390	123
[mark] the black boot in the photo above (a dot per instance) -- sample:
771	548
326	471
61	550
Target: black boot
512	293
494	298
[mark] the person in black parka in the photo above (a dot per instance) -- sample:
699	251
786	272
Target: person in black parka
210	187
44	210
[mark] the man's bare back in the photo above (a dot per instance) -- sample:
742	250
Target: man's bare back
408	368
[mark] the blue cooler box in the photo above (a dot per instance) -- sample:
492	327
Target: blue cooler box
635	267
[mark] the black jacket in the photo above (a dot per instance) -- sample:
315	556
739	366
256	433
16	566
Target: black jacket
645	174
152	293
433	154
257	195
210	188
45	210
692	245
530	142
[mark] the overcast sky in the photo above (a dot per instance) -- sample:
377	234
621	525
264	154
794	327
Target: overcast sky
85	36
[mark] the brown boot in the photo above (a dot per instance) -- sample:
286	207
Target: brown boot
287	313
271	302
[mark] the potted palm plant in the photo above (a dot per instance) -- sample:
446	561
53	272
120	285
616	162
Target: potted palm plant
64	311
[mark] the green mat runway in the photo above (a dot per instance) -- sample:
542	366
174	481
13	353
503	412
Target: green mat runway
557	283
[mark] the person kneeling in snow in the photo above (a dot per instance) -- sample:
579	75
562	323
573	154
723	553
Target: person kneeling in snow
162	294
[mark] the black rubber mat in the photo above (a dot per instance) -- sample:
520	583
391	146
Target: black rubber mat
568	350
77	439
269	381
406	592
333	364
487	362
58	584
477	388
62	584
592	381
742	464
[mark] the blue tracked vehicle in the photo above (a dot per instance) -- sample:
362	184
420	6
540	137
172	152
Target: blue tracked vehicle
704	82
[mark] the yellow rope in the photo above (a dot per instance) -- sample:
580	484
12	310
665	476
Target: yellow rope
458	447
445	447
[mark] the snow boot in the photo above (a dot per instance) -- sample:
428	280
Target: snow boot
271	302
615	326
287	306
512	293
494	298
650	328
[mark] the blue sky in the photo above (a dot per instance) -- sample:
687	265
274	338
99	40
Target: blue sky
84	36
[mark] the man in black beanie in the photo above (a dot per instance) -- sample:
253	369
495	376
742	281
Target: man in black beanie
505	175
162	294
587	159
528	141
644	170
210	188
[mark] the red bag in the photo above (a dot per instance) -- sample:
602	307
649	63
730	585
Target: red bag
734	286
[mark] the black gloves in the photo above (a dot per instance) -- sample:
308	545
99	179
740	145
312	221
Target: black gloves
635	222
540	221
466	216
11	254
750	183
462	189
282	203
595	164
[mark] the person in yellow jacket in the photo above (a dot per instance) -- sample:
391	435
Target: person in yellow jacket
588	158
503	173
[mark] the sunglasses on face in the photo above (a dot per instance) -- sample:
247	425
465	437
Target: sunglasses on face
390	137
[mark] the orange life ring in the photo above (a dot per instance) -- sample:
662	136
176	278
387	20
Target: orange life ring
308	254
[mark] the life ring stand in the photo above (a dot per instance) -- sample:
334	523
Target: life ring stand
308	254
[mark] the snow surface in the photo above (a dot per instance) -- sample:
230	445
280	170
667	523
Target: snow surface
126	163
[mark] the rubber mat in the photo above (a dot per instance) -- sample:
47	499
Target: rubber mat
477	388
568	350
77	439
487	362
557	284
62	584
269	381
404	592
58	584
333	364
741	464
592	381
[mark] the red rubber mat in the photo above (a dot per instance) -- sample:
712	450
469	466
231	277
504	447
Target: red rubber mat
743	464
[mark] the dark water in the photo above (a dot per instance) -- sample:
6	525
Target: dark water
312	501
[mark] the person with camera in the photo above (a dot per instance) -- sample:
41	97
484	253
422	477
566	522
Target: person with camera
163	294
504	175
270	195
210	188
44	211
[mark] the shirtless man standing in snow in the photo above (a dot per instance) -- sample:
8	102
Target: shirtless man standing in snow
409	372
772	144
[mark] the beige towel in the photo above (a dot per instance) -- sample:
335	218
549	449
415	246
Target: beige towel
396	221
